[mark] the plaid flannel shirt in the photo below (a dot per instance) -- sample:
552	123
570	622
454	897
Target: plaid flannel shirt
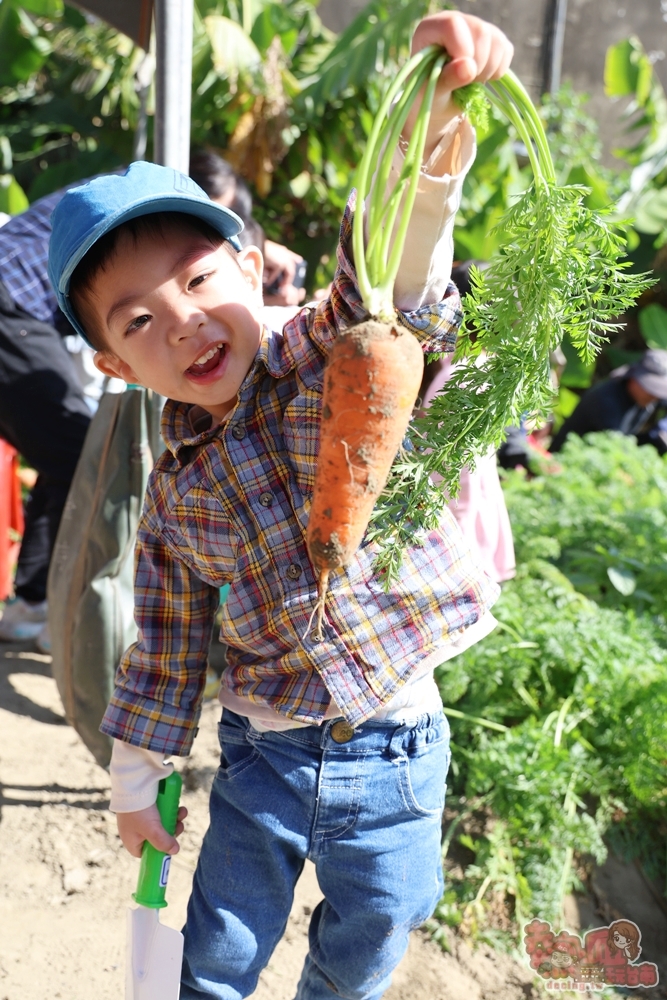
230	505
24	255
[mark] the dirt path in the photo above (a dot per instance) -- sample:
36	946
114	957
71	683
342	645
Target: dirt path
65	880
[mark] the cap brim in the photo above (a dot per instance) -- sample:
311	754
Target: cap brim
223	220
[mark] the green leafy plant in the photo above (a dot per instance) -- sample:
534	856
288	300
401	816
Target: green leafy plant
629	73
653	325
602	519
559	717
68	111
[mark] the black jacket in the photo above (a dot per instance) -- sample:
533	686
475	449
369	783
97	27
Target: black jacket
608	406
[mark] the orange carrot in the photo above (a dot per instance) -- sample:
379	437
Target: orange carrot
371	383
374	369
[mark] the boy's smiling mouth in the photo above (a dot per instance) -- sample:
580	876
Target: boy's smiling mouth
208	363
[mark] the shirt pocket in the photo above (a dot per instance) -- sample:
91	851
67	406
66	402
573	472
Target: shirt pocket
208	534
301	433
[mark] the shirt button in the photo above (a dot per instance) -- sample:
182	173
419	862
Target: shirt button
238	432
342	732
293	571
266	499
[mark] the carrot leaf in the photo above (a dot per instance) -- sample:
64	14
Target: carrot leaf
561	271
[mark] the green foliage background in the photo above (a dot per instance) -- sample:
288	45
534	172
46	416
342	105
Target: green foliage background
284	99
569	753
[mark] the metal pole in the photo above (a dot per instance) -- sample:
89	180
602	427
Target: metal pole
144	80
173	82
556	46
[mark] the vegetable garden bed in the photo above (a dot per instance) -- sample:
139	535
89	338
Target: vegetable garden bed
559	718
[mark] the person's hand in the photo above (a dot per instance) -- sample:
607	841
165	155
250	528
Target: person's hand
145	824
280	262
479	52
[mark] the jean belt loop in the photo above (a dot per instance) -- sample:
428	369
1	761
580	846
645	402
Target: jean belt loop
396	744
252	734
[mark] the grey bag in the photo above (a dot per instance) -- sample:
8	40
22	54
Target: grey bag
90	586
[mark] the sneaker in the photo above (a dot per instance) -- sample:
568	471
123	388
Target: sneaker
22	620
43	640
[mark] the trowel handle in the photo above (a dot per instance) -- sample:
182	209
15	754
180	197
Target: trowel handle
154	870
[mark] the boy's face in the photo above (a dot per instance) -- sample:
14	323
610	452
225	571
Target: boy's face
179	317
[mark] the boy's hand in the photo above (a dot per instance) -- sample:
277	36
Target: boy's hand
145	824
479	52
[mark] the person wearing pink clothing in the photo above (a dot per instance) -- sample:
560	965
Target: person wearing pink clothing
480	508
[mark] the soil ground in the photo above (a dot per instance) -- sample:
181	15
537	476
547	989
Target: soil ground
65	880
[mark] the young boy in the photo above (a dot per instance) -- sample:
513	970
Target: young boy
334	750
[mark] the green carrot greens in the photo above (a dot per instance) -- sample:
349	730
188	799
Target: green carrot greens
560	272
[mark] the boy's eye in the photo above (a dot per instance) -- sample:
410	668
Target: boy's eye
198	280
137	323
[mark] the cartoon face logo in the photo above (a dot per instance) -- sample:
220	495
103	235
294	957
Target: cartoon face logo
560	959
624	937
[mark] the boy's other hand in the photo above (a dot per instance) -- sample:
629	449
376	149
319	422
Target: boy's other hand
479	52
136	827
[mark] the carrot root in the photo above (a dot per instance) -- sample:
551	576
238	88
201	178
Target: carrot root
322	588
318	610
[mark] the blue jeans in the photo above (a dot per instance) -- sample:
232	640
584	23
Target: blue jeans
366	812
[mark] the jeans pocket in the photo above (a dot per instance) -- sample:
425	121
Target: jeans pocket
423	777
236	752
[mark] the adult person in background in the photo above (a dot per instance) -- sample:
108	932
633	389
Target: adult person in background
628	402
43	410
222	184
49	387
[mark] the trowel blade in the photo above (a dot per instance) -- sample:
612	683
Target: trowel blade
154	957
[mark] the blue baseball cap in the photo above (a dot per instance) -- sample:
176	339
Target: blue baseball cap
84	214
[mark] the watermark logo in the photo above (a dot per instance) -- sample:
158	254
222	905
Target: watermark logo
607	956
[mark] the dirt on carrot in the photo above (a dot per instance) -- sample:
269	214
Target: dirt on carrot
371	384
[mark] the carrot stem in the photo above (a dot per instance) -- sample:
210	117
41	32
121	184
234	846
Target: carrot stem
504	103
379	202
365	173
377	248
416	154
513	85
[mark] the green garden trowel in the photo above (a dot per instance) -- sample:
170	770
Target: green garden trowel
154	952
